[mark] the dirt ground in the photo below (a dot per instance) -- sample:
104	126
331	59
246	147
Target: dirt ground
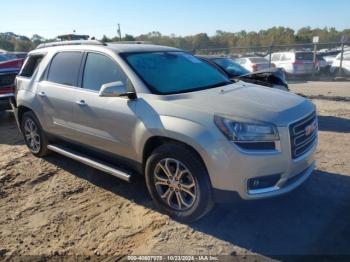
56	206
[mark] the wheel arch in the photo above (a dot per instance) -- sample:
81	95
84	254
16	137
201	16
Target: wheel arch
21	110
156	141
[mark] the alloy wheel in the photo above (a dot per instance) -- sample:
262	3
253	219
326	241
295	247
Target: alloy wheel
31	134
175	184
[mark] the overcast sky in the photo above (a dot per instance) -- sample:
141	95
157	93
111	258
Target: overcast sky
50	18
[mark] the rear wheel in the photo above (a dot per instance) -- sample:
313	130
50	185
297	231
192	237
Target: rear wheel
34	135
178	182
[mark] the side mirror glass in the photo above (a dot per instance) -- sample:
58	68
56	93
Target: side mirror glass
114	89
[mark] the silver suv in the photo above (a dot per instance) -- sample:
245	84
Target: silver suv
197	137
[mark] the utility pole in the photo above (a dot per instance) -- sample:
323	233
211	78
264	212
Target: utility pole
270	54
315	40
340	74
119	32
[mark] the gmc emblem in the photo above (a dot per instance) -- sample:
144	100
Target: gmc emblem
310	129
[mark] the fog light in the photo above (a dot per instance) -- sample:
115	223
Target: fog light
263	182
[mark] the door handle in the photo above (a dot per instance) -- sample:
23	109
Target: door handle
81	103
42	94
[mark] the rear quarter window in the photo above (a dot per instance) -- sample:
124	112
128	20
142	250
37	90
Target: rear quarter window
30	65
64	68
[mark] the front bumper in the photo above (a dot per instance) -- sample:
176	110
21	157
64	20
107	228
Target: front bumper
231	168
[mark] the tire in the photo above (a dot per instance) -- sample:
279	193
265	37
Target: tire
34	135
192	180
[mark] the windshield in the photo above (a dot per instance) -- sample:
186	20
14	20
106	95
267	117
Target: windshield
3	58
231	67
174	72
305	56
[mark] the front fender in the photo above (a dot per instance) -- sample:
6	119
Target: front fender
186	131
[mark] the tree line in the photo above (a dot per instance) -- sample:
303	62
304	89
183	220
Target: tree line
222	39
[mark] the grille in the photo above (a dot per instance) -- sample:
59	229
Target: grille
303	135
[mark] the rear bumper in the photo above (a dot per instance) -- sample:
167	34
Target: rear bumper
15	110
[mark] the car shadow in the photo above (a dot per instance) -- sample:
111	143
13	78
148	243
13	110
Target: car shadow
9	133
313	219
334	124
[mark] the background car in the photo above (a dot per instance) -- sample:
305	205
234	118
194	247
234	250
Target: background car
271	78
4	58
328	55
9	68
9	62
7	80
322	66
16	55
345	65
294	62
253	64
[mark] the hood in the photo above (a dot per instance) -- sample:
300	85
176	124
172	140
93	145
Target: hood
236	101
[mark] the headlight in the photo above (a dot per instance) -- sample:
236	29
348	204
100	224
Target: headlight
246	132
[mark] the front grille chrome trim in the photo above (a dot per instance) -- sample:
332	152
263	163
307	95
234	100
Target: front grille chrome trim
300	143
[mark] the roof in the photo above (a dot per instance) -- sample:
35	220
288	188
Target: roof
115	47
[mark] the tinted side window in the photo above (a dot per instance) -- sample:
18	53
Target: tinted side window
30	65
100	70
64	68
285	58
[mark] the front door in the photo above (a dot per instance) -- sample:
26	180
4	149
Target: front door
105	123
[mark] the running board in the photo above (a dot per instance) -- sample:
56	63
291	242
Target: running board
90	162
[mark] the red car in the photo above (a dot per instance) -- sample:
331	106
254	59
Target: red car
8	71
8	62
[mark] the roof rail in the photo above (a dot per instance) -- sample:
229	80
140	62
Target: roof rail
132	42
74	42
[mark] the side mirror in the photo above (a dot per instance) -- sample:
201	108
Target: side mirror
114	89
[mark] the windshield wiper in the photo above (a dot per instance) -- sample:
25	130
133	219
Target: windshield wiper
225	83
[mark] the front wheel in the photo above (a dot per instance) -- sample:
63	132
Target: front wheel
178	182
34	135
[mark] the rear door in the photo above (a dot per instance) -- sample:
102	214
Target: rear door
56	93
104	123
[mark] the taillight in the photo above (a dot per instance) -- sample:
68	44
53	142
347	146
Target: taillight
255	67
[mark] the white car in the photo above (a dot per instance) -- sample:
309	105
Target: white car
345	65
253	64
294	62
